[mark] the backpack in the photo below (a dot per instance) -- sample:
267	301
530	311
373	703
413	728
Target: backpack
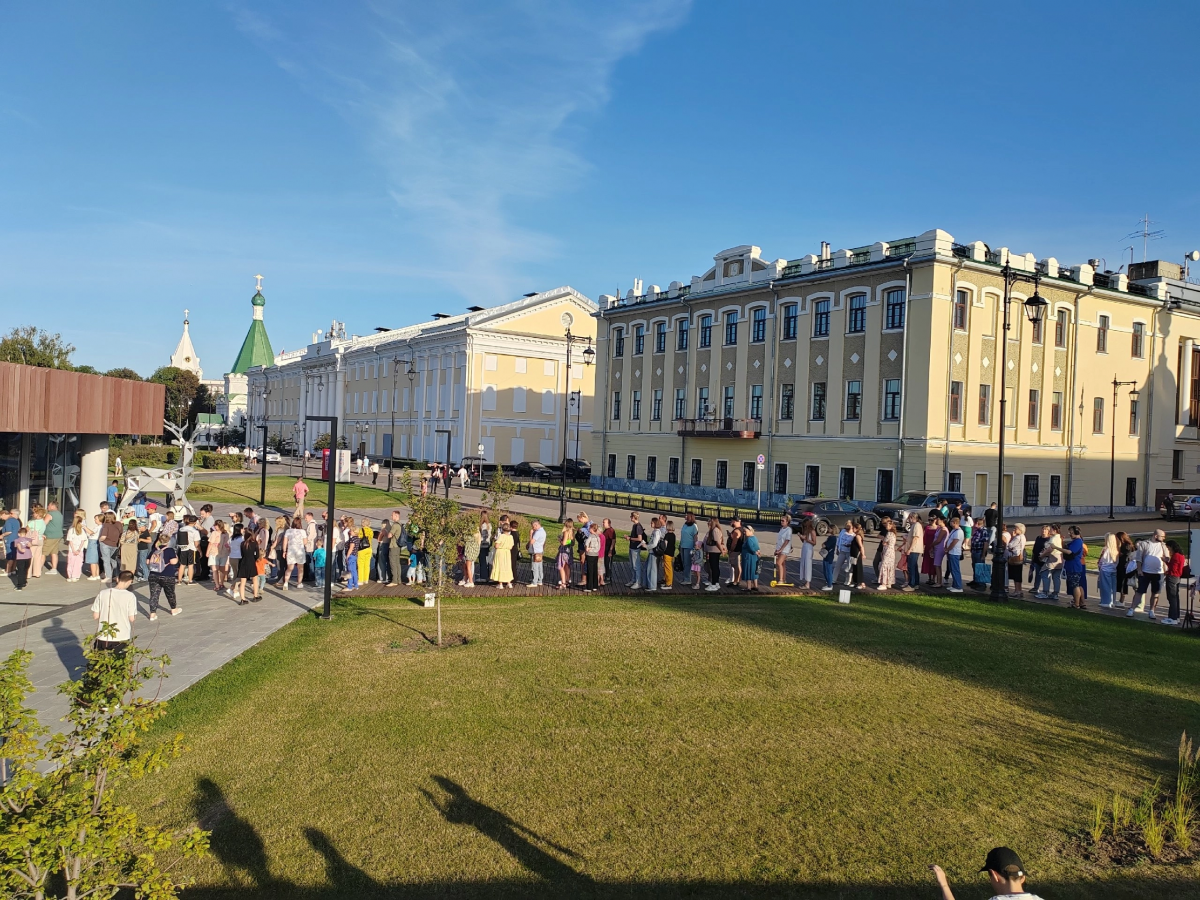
155	562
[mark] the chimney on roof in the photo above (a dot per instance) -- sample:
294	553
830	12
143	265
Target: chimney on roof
825	248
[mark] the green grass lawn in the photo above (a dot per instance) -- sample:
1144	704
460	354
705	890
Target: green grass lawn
675	747
279	492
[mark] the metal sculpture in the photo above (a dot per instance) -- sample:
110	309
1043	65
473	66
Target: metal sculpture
173	482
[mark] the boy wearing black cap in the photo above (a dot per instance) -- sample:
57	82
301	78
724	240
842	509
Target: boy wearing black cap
1005	870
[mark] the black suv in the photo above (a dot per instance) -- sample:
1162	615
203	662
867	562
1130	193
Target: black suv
919	504
577	469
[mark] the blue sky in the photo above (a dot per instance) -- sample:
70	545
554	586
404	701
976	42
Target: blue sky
378	162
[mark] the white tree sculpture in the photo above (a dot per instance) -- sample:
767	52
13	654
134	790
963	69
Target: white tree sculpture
174	482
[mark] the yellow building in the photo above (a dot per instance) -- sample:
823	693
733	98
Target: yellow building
493	377
865	372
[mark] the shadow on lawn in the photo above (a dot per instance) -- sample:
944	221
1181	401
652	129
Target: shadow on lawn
1040	657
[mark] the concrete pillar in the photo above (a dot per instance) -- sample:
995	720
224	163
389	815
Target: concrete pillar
93	471
1185	384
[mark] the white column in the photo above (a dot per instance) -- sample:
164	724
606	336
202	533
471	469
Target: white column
93	471
1185	384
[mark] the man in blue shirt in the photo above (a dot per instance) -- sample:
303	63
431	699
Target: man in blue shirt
687	546
114	492
12	524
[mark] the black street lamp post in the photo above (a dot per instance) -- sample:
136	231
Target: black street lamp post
1112	460
1035	310
331	507
392	451
589	356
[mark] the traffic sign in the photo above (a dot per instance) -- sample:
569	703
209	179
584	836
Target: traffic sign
761	459
761	466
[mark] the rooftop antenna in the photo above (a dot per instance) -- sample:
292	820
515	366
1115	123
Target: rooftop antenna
1146	234
1192	257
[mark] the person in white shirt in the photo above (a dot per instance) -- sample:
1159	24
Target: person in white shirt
783	548
845	544
295	549
1005	871
657	533
537	547
1151	556
462	477
116	607
374	472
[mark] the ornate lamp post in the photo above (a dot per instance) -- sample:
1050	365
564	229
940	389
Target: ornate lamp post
589	356
412	405
392	454
1035	311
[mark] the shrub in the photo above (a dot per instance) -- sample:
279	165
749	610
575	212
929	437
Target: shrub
206	459
155	456
1154	832
1122	811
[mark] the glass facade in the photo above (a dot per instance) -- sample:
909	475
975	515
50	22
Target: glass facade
10	469
54	467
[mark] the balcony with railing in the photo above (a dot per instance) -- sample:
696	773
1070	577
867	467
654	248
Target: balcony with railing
719	428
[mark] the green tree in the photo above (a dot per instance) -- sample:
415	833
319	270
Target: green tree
182	387
123	372
444	524
497	494
87	370
63	833
30	346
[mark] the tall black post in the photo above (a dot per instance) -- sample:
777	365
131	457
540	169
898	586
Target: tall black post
262	492
330	512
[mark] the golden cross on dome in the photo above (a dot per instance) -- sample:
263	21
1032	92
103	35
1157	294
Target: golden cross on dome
258	286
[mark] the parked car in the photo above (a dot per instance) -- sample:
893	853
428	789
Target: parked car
917	503
272	456
831	515
577	469
532	470
1185	508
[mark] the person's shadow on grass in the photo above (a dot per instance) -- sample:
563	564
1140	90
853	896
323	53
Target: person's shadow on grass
235	842
344	877
461	809
66	644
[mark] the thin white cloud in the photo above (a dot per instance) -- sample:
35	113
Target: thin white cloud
471	110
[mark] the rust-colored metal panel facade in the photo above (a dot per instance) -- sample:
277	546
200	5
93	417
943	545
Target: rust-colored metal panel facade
55	401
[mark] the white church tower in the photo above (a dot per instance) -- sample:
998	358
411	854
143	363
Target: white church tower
185	356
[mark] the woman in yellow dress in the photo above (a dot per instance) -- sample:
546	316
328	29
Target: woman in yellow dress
365	536
502	572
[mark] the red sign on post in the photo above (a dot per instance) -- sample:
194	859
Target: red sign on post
325	464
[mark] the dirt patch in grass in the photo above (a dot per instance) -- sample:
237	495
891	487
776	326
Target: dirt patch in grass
421	644
1123	850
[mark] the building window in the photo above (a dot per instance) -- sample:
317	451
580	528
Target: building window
702	408
846	483
818	401
748	471
956	388
1037	331
790	321
1060	329
1177	465
618	342
673	470
895	309
756	398
812	481
780	484
652	468
1139	334
722	473
1133	417
660	337
857	321
883	485
612	465
853	400
1033	409
1131	492
616	406
821	318
787	401
891	399
1056	402
985	404
731	323
706	331
630	466
1098	416
961	299
696	473
639	339
954	482
635	406
681	334
1102	334
656	407
758	327
680	403
727	402
1055	490
1030	493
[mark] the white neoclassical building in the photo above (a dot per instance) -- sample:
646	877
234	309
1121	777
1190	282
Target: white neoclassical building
495	377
